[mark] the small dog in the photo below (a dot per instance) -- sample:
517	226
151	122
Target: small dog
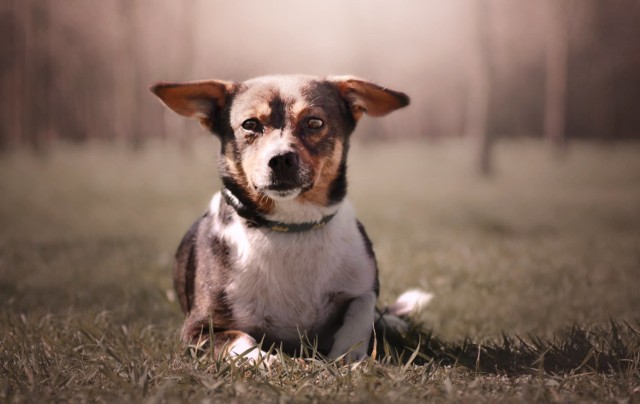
280	255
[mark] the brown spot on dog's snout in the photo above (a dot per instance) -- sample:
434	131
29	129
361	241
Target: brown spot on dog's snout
327	169
232	172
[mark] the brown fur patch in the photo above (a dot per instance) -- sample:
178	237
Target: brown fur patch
195	98
370	98
326	169
262	112
264	204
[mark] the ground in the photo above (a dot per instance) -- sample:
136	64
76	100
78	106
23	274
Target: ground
87	235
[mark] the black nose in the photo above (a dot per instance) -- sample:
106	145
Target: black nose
284	166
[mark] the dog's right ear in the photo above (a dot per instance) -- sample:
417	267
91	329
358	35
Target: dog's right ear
195	99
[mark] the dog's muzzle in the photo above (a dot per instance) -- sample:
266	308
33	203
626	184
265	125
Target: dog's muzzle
285	176
284	171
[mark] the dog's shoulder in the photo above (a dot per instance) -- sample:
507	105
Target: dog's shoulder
202	262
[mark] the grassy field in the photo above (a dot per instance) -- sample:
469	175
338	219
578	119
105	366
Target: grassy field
87	236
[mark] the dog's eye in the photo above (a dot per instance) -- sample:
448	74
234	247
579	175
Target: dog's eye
315	123
251	125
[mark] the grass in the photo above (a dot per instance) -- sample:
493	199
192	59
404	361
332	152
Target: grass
536	275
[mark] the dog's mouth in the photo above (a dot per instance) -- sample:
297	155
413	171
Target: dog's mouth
283	190
280	187
282	195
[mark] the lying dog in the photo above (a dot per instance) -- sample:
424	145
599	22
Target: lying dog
280	253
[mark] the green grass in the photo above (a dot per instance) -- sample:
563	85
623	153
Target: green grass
546	253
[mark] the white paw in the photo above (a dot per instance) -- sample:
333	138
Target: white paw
246	351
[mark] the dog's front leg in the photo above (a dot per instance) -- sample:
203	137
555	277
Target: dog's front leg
236	344
231	344
356	329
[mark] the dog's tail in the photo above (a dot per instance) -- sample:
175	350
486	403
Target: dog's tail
393	327
411	301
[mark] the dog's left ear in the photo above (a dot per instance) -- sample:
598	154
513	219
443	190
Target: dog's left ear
367	97
195	99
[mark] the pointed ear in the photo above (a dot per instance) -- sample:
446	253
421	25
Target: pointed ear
194	99
369	98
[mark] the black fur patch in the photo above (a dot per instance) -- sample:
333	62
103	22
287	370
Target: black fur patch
278	113
246	208
185	265
225	213
189	279
201	275
338	188
369	246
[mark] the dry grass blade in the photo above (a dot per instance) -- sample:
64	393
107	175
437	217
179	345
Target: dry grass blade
86	238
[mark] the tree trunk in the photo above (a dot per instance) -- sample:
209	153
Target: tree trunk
480	73
557	49
128	125
185	46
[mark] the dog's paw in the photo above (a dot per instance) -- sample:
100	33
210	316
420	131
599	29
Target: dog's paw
348	353
245	350
256	358
352	357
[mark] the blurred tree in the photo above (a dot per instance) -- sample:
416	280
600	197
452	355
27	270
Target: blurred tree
42	75
480	71
79	70
557	53
185	65
129	119
11	73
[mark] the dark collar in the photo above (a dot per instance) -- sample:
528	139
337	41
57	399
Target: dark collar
260	221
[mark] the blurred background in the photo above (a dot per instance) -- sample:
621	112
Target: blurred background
98	181
559	69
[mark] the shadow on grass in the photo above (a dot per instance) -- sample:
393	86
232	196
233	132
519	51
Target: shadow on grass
605	350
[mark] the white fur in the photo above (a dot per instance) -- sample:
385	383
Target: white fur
283	195
246	347
353	337
260	172
280	281
305	212
215	202
411	301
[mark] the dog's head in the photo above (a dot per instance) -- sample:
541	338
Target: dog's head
283	137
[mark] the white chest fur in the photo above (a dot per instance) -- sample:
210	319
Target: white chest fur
283	282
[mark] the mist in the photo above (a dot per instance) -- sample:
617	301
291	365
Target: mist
79	70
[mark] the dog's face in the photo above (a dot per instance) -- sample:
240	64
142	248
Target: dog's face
283	137
290	134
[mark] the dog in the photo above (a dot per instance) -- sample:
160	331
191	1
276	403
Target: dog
280	254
